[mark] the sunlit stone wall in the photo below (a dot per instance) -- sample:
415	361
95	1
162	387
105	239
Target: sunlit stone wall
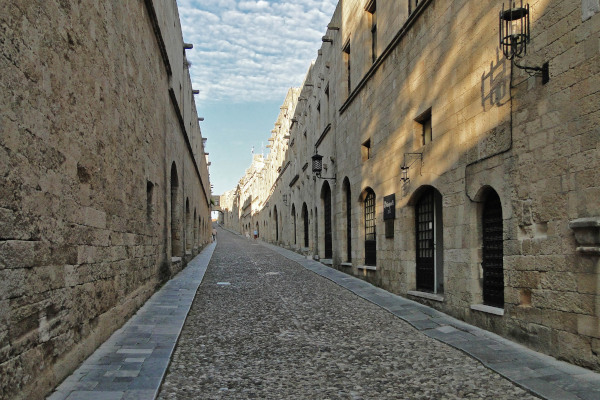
92	125
495	130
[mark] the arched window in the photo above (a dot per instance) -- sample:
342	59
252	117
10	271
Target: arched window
370	225
175	218
493	251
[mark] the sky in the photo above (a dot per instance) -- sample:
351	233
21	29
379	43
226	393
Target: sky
246	55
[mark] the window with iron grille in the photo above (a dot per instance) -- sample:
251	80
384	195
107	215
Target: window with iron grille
370	234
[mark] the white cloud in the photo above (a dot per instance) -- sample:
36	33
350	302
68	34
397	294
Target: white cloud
248	50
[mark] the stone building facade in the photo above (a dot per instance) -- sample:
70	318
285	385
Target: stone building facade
459	180
104	186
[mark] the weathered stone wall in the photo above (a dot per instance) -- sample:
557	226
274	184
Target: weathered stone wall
88	135
495	130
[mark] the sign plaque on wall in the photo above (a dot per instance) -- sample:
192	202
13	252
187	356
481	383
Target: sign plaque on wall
389	207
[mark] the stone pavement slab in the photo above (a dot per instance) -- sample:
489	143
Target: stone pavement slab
538	373
131	364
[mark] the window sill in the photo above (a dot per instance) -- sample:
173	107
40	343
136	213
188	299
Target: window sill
367	267
346	264
487	309
175	260
426	295
327	261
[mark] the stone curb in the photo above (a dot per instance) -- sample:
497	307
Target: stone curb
541	375
132	363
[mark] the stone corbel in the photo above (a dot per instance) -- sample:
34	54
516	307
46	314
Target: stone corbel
587	234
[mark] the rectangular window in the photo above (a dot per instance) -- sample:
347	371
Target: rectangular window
366	150
372	10
346	51
426	128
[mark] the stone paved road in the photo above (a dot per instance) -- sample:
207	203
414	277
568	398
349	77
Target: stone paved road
279	331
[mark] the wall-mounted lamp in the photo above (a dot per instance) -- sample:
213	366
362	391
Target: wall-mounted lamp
514	35
404	168
188	46
317	166
285	199
195	91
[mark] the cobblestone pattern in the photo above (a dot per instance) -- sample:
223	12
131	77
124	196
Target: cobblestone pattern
263	327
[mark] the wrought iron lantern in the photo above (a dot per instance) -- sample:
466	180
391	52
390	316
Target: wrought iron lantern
405	167
514	36
285	199
514	31
317	166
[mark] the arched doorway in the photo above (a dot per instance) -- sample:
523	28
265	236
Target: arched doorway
276	224
326	198
294	220
370	228
429	245
305	223
176	246
187	224
493	251
348	206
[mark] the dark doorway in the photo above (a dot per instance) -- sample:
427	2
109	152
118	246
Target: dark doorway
326	195
294	218
305	222
493	252
429	245
276	224
348	222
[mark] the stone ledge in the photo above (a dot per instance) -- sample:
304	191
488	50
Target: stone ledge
346	264
367	267
587	234
426	295
487	309
175	260
326	261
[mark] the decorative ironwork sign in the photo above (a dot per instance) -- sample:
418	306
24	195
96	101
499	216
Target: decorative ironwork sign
389	207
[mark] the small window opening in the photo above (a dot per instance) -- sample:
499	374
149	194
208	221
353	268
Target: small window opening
426	127
372	10
346	50
366	150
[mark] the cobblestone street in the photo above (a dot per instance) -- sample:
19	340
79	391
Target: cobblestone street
262	326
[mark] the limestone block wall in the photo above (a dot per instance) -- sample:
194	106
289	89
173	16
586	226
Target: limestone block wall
89	133
495	131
